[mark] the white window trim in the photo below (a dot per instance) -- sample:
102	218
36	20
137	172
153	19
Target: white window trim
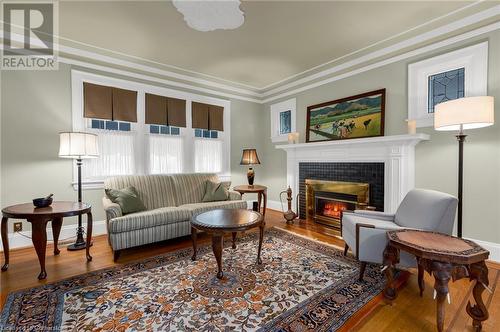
473	58
141	130
276	109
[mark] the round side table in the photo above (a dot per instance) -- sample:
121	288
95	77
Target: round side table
39	217
261	192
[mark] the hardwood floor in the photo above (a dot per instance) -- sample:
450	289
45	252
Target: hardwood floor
408	313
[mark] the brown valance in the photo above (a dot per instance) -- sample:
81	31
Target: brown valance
98	101
207	116
124	105
176	110
156	109
108	103
166	111
216	118
199	112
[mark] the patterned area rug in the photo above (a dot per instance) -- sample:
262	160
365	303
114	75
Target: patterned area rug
302	285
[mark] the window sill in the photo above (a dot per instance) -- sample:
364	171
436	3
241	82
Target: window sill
89	185
281	138
99	184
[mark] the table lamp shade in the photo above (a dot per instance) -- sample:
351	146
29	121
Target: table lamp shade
249	157
469	112
78	145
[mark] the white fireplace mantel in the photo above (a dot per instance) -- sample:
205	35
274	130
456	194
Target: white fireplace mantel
397	152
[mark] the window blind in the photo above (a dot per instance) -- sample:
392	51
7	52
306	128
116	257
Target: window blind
166	111
109	103
205	116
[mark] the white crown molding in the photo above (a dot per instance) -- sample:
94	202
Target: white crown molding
288	79
257	95
410	54
475	18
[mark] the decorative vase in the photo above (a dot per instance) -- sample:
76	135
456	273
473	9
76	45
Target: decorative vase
250	176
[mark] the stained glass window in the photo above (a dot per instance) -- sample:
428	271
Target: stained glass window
285	122
445	86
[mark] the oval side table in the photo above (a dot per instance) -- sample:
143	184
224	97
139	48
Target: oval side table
39	217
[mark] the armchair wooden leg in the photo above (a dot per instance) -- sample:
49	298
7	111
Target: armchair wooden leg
346	248
362	271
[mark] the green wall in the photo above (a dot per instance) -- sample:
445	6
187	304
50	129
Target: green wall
36	106
436	160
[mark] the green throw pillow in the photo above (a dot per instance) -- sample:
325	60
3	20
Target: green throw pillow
215	192
127	198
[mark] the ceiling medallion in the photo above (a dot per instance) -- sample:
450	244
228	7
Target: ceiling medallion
210	15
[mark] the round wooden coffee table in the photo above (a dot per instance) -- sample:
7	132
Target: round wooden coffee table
39	217
221	221
445	257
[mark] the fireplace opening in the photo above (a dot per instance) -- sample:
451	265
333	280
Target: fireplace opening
327	200
329	208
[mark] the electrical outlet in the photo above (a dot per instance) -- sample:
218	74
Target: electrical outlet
18	227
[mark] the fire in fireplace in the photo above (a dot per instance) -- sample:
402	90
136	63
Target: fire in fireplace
326	200
332	208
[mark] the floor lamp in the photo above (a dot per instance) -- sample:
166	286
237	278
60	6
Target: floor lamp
459	115
76	145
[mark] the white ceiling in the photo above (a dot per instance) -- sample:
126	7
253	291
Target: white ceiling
277	40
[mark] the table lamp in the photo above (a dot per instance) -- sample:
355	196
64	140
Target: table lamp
461	114
77	145
250	158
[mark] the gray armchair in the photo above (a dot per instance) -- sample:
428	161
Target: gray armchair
364	232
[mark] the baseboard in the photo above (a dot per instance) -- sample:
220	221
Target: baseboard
17	240
273	205
493	248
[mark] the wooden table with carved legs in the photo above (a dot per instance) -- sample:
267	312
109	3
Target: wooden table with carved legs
261	192
38	218
444	257
221	221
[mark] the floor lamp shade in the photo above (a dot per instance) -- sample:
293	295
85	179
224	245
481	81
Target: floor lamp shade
464	113
78	145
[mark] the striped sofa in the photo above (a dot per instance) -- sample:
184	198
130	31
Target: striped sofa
170	200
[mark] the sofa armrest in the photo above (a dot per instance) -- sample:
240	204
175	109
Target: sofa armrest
234	196
112	210
374	215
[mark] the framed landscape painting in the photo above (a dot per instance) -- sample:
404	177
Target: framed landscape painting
353	117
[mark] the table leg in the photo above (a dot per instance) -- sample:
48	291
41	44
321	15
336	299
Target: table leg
261	238
39	238
442	275
234	240
259	200
217	245
421	282
391	258
89	236
56	230
264	194
478	312
194	237
5	243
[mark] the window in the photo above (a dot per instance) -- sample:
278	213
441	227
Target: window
285	122
445	86
282	120
461	73
116	155
208	155
165	154
145	129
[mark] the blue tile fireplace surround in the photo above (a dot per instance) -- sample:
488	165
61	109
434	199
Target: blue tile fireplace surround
363	172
